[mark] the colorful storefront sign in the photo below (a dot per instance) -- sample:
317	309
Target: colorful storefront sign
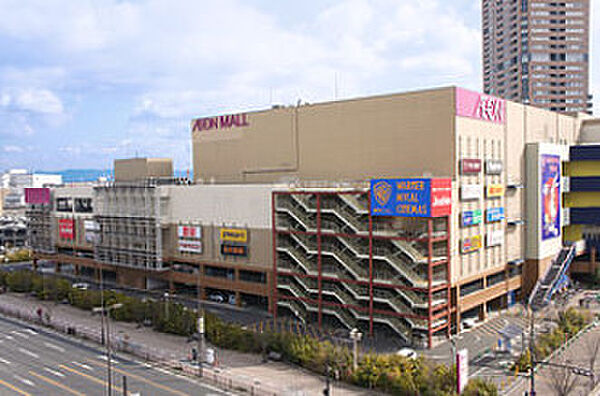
550	196
494	190
37	196
470	244
471	217
189	232
66	228
228	249
470	191
234	235
494	238
493	167
494	214
480	106
470	166
187	246
411	197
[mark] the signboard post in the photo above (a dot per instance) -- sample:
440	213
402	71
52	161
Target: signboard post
462	369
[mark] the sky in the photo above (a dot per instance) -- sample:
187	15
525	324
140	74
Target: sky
83	82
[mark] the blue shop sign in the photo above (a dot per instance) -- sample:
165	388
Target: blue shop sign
494	214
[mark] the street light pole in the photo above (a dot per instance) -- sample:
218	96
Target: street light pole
107	310
531	355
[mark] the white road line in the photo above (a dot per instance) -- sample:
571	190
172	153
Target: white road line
30	331
24	380
20	334
25	351
4	361
85	366
103	357
49	345
9	337
58	374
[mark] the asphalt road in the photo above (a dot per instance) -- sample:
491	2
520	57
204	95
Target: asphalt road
34	362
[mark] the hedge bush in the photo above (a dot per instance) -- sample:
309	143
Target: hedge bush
389	373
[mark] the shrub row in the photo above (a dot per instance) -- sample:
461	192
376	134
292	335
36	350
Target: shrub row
388	373
570	322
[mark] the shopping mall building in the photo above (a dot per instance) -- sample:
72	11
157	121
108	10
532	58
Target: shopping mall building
397	214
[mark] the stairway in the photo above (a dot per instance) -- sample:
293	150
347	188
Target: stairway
547	284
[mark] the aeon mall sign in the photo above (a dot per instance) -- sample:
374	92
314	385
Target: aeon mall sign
220	122
480	106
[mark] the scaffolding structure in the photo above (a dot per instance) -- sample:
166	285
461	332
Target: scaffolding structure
128	217
335	264
40	225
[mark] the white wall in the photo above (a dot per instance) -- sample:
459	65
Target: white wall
536	248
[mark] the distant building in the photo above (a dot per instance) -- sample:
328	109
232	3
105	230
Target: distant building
537	52
16	180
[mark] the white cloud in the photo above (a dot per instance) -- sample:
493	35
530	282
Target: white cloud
34	100
12	149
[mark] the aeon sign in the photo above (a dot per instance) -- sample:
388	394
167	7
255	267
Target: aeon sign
482	107
220	122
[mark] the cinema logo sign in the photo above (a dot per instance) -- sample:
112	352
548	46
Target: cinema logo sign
220	122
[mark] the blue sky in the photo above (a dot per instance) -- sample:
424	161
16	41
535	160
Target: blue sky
83	82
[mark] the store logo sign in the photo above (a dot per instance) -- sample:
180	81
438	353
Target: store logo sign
471	244
382	192
493	167
494	190
494	214
470	191
479	106
470	166
234	235
471	217
494	238
220	122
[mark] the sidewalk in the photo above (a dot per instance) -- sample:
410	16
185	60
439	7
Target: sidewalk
284	379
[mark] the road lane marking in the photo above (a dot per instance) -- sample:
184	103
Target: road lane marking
9	337
89	377
56	347
143	379
30	331
24	380
26	352
14	388
57	373
16	332
57	384
85	366
2	360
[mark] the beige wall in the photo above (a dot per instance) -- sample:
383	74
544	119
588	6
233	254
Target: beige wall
259	247
390	135
140	168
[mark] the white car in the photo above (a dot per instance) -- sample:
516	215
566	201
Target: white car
80	286
407	353
469	323
216	298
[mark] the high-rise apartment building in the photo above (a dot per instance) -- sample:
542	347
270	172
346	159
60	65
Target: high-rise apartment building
536	52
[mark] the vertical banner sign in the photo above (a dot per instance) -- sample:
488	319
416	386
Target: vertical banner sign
66	228
418	197
550	194
462	369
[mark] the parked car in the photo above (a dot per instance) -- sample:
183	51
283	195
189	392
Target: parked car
80	286
469	323
216	298
407	353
